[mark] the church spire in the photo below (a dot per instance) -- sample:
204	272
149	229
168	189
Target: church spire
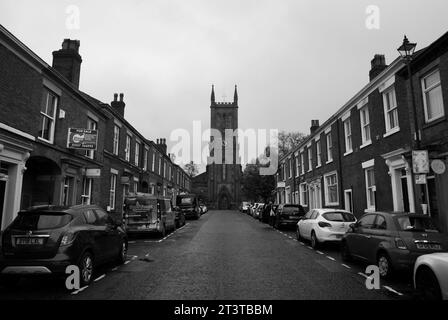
213	93
235	95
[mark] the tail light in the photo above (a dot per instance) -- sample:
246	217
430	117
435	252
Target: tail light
323	224
400	244
68	238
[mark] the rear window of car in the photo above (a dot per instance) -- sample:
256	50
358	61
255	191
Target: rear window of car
418	224
41	221
292	210
339	217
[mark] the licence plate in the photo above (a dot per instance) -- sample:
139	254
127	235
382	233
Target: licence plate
429	246
29	241
144	227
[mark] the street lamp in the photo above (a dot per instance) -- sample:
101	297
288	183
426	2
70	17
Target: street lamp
406	51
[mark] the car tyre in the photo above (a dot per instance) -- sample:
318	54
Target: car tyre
427	285
86	268
384	265
298	235
122	255
163	231
314	240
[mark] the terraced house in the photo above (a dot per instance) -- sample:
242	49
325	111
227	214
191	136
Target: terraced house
364	151
59	145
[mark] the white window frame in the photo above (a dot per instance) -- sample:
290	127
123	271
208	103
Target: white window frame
153	164
426	90
92	124
290	167
369	189
86	197
329	140
137	154
116	146
303	194
364	116
318	154
390	130
145	159
326	186
113	190
128	148
297	160
49	117
348	136
310	159
302	163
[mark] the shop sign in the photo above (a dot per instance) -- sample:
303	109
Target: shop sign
420	161
438	166
82	139
420	179
93	173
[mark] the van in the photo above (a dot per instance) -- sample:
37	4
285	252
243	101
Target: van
189	205
146	213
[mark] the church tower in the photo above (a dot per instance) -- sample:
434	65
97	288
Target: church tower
224	171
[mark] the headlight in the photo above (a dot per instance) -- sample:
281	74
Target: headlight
68	238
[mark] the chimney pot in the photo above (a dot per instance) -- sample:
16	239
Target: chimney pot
314	126
121	97
67	61
378	64
115	96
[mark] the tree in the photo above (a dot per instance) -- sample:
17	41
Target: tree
257	187
288	141
191	169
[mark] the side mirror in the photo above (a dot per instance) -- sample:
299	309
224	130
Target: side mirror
353	226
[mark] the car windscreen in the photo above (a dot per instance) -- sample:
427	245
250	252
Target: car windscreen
339	217
185	201
292	210
418	224
41	221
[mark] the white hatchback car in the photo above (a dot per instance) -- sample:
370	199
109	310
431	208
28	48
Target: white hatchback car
431	276
324	225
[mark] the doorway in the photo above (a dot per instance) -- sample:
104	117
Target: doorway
348	200
224	203
405	190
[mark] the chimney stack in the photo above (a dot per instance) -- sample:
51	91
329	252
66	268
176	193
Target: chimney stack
161	145
118	105
314	126
378	64
67	61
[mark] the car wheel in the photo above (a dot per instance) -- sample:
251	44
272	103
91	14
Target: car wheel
384	265
345	252
427	285
298	235
123	253
276	224
9	281
86	268
314	240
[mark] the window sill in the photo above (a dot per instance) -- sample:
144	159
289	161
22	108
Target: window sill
348	153
433	122
45	140
391	132
332	204
318	166
369	210
329	161
366	144
311	170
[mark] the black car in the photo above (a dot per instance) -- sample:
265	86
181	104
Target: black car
45	240
189	205
287	215
179	217
266	213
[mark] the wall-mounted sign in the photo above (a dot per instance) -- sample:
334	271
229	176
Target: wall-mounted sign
420	161
420	179
438	166
125	180
82	139
281	184
93	173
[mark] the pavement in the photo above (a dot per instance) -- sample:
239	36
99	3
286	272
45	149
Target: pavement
225	255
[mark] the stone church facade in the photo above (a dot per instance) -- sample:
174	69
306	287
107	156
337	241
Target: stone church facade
224	171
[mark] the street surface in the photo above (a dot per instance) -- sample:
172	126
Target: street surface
224	255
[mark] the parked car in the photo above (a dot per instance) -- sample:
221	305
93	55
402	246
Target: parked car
203	208
244	207
189	204
256	212
324	225
45	240
146	213
260	210
431	276
391	240
287	215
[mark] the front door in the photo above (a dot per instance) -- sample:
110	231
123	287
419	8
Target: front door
223	203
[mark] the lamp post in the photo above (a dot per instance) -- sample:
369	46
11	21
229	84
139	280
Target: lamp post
406	51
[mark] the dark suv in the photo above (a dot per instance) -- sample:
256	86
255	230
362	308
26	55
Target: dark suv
287	215
45	240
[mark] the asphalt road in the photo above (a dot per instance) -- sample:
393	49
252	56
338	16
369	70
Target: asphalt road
224	255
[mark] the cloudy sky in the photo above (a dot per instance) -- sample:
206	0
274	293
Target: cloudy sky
293	60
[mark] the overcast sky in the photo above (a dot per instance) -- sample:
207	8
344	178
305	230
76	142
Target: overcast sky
293	60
